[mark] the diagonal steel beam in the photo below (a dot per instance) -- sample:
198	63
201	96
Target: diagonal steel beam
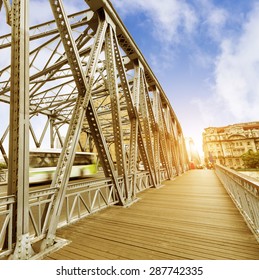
8	10
83	83
115	107
165	151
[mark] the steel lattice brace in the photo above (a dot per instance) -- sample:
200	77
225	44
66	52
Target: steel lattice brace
87	86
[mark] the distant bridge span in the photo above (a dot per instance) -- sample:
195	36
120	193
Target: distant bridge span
80	82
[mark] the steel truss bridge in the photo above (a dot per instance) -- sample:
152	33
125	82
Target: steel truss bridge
80	75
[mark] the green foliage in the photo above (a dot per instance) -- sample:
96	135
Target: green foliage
3	165
251	159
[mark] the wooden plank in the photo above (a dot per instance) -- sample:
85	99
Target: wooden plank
148	241
142	232
191	217
118	248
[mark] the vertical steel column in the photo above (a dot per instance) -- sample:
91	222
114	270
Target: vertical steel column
175	148
51	132
146	123
154	130
168	136
136	137
115	107
133	150
163	143
182	153
18	175
156	104
174	151
132	108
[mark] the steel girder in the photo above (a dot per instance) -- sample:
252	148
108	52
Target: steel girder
83	75
18	176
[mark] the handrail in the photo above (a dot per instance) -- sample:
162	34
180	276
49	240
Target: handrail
244	191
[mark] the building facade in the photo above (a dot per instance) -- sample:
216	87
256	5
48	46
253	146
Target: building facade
225	145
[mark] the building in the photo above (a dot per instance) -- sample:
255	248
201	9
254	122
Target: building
225	145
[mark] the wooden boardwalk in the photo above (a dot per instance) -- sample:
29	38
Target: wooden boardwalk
191	217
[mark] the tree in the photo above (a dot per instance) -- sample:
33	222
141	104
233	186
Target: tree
251	159
3	165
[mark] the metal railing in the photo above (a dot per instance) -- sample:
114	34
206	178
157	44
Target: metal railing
87	198
40	204
244	191
3	177
143	181
81	200
6	225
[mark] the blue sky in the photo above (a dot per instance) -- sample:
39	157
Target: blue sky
205	54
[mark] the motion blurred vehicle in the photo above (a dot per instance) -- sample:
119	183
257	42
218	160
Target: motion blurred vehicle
43	164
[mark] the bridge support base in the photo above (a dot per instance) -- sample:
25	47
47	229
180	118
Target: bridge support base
58	244
129	202
23	249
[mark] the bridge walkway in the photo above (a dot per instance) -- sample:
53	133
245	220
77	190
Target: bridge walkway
191	217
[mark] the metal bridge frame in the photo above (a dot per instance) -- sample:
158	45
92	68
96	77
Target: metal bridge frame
82	72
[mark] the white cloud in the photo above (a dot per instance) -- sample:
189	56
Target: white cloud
172	20
233	92
237	71
179	26
168	17
40	12
46	14
213	17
